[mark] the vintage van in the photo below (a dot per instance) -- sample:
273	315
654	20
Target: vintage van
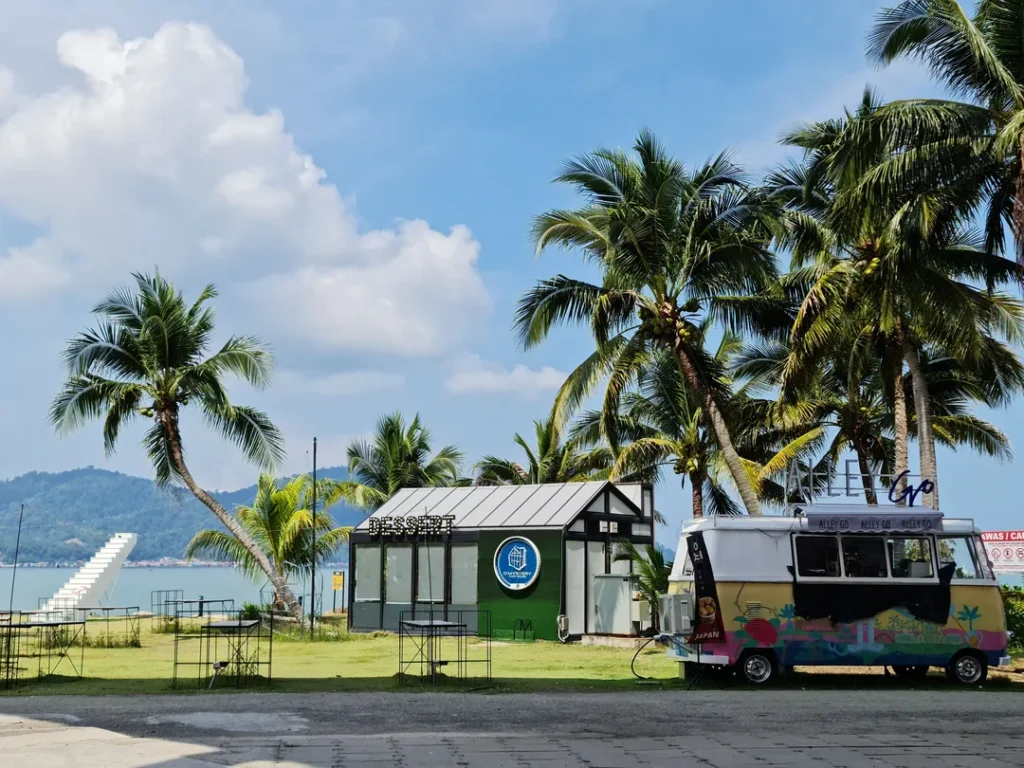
854	585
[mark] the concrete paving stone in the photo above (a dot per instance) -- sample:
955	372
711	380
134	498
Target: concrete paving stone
311	755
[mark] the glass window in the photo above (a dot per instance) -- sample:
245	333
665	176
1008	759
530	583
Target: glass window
430	583
817	555
464	558
983	561
958	552
367	573
864	557
911	558
398	579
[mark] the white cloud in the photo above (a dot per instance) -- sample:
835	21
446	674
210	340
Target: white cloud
32	271
472	375
154	158
339	384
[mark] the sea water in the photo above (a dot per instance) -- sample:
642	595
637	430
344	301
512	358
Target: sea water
135	585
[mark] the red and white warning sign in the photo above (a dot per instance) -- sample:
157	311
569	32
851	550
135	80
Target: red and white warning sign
1005	550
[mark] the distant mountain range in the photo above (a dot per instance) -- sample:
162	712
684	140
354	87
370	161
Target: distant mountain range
69	515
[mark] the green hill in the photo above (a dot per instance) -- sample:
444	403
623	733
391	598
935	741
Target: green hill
69	515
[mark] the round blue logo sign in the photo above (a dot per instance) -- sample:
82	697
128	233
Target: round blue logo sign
516	563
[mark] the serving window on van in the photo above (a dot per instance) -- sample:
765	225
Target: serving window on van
907	558
817	556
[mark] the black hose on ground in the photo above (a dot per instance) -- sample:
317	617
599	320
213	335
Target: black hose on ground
633	662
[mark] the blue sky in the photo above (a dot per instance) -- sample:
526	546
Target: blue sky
359	178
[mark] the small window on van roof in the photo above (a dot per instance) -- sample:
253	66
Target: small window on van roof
817	556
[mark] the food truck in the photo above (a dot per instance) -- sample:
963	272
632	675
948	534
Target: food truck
840	585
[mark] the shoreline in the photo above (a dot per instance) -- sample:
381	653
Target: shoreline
182	564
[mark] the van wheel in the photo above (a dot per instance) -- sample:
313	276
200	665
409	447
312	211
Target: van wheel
914	672
967	668
759	667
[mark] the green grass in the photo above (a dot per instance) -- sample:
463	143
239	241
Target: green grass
356	662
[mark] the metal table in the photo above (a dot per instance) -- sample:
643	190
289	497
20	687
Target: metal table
54	640
129	614
426	635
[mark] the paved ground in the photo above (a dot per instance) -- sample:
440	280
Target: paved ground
726	729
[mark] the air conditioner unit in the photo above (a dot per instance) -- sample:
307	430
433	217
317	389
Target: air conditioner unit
676	613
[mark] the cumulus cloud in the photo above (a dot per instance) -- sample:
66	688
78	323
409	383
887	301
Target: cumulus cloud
340	384
154	158
473	375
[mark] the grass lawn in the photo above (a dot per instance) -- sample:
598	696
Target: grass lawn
360	662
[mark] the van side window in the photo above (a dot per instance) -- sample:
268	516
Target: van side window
817	556
983	561
911	558
864	557
957	551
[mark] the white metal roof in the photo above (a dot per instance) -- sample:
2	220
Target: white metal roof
548	505
950	525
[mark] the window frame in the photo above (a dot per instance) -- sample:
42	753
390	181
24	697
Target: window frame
818	579
867	580
979	567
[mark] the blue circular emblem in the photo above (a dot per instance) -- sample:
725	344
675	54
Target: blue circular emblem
516	563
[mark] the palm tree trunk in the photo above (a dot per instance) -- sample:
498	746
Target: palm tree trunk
697	494
170	423
714	415
900	421
867	479
925	434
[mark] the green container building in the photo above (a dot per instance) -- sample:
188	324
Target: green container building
522	556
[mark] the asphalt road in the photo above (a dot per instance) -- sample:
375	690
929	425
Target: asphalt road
633	714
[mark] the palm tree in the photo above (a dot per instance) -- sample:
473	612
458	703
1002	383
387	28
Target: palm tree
552	460
846	408
671	246
976	144
662	423
145	357
652	574
280	522
899	270
396	457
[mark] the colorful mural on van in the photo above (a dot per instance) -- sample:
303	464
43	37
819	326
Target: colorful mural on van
763	616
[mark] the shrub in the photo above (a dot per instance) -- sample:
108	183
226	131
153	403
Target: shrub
1013	598
250	611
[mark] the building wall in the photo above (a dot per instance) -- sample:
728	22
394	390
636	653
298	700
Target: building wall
541	603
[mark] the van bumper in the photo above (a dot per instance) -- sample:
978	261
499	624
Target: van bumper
1005	661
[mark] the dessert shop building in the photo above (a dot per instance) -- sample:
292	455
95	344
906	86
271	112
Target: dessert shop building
526	554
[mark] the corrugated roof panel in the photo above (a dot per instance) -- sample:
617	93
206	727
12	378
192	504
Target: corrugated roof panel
424	504
480	512
400	505
565	505
552	505
520	516
445	506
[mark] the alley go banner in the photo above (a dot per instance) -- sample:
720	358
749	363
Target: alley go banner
707	626
1005	550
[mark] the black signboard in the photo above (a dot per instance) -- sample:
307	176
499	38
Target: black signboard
707	627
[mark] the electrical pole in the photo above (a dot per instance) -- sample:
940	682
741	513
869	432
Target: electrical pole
14	574
312	564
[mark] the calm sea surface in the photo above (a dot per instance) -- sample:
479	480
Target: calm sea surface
134	585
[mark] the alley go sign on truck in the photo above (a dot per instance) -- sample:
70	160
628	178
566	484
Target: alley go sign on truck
1005	550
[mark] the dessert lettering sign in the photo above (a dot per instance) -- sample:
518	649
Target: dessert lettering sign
411	525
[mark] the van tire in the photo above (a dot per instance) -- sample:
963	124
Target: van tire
967	668
911	672
758	667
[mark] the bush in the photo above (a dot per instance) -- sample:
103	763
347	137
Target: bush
250	611
1013	598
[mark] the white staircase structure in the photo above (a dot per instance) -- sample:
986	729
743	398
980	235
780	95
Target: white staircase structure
93	582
